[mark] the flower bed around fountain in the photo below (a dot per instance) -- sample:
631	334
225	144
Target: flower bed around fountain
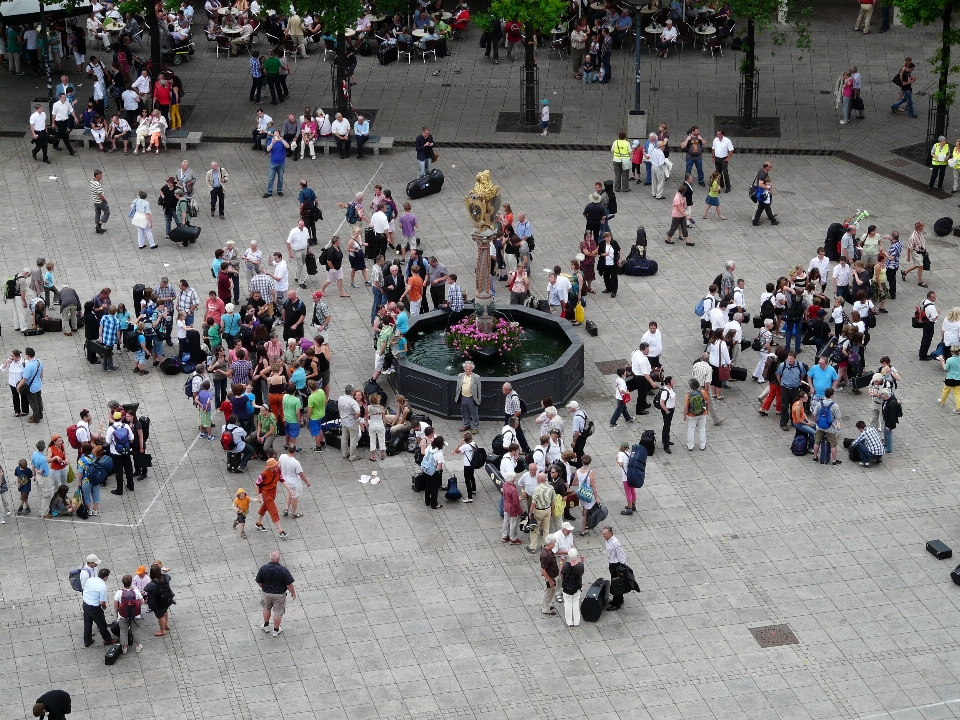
548	363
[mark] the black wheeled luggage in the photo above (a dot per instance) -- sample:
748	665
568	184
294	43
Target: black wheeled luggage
138	291
387	54
427	185
419	482
185	234
310	261
595	601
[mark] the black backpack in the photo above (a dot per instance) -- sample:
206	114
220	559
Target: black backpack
497	445
479	457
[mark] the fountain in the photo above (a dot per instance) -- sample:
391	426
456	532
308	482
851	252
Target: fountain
548	361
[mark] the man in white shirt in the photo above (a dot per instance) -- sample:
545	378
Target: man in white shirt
260	131
740	296
656	158
94	69
722	151
31	40
667	38
293	479
640	366
298	241
557	300
822	263
737	337
142	85
380	226
38	128
341	132
253	259
841	278
654	340
61	111
527	482
718	315
280	275
131	104
94	603
128	603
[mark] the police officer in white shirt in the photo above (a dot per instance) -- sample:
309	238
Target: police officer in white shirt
38	128
298	241
722	151
62	111
94	603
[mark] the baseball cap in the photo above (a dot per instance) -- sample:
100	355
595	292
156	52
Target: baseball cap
566	526
117	416
141	569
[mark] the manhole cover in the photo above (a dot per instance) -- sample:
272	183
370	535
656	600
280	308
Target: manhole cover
610	367
774	635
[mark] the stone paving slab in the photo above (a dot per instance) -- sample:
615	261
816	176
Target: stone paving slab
410	614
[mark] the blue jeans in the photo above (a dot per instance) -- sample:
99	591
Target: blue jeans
621	410
908	99
846	109
276	171
792	331
866	456
168	217
647	181
806	430
888	440
377	302
424	166
90	493
699	163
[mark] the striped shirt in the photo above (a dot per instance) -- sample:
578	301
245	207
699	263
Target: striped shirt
512	404
96	191
893	257
702	373
871	439
255	69
264	285
615	552
455	297
186	300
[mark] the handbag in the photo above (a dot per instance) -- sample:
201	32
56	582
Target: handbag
625	398
133	211
436	156
71	476
585	491
724	372
578	314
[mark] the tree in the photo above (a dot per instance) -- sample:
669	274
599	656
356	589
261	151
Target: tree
927	12
761	15
535	16
336	16
150	12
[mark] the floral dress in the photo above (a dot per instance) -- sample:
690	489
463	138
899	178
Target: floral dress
588	245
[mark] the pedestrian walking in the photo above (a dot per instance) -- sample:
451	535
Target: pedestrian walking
622	397
917	253
142	220
277	149
721	152
550	572
678	217
38	128
906	80
216	178
713	197
571	582
101	210
275	582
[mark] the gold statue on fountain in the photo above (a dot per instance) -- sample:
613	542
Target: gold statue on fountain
483	201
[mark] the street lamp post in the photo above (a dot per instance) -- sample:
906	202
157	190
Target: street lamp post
636	118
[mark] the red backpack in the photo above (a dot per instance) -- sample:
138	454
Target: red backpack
129	604
72	437
226	440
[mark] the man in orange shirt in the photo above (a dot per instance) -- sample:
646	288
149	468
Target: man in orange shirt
414	291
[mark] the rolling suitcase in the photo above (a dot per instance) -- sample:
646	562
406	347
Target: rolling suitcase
426	185
595	601
738	374
419	482
138	291
185	234
310	261
649	441
387	54
369	243
112	654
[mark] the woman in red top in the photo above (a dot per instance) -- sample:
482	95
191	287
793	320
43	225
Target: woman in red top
57	457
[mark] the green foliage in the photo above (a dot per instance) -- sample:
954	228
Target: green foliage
337	15
538	14
764	14
927	12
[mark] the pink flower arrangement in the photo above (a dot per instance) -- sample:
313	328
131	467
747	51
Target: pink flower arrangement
504	338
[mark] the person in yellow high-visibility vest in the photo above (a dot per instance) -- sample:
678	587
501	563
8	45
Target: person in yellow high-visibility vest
955	162
621	163
939	154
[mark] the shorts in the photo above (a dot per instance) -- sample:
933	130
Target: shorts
277	602
205	418
315	426
830	436
292	429
334	275
241	518
294	488
410	242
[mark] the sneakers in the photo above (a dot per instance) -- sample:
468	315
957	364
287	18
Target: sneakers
138	648
243	534
277	631
284	534
261	528
317	449
265	627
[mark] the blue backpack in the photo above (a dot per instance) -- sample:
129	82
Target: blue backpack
429	463
825	416
799	445
700	308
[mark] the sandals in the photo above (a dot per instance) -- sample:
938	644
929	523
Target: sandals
159	633
298	515
903	275
922	284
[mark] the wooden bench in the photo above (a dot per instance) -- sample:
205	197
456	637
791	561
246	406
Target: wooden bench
374	142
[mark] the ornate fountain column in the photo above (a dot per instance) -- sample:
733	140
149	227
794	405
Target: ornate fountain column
482	204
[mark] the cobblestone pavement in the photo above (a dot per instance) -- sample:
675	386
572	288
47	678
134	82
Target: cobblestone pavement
405	613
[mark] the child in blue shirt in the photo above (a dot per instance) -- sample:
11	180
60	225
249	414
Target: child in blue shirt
49	287
24	476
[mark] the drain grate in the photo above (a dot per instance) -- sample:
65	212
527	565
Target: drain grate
774	636
610	367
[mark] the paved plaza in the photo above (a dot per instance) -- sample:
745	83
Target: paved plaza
407	613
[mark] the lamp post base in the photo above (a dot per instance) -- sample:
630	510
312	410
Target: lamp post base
637	124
